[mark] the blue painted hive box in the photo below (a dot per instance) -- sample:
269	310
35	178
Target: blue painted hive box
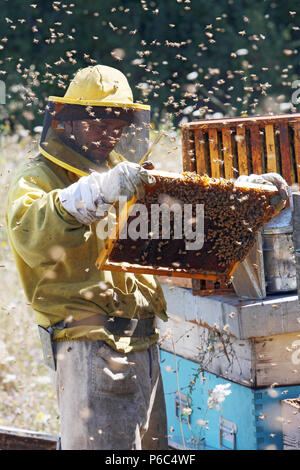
247	419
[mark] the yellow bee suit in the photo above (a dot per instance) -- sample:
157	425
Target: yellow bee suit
55	256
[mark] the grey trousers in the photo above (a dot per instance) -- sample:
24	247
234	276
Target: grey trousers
109	400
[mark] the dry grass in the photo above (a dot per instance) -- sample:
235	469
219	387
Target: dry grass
27	398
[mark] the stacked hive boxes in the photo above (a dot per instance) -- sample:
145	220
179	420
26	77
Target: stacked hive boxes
252	346
218	344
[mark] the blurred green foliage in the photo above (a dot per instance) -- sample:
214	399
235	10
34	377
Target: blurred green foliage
180	56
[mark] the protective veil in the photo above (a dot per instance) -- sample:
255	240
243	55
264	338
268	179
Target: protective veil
99	131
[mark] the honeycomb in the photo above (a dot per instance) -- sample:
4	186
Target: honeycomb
232	216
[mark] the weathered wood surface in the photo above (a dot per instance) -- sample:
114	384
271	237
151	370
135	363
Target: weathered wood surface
193	342
23	439
227	140
249	276
256	362
202	166
276	359
203	288
297	148
285	149
256	146
175	281
275	315
271	149
296	235
188	150
242	151
274	137
249	121
296	221
214	153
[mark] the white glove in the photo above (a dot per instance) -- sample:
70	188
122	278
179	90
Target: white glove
125	179
90	195
270	178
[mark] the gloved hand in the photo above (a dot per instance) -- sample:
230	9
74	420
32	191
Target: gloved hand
84	198
125	179
279	200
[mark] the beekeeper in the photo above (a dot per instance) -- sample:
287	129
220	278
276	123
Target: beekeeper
97	327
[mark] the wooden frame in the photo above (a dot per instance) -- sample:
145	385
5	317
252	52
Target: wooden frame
231	147
104	262
263	144
23	439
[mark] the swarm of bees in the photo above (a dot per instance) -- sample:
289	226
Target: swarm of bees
232	216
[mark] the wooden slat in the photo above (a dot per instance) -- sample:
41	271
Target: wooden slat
204	292
296	223
296	235
297	149
249	277
176	281
23	439
270	147
115	232
214	153
247	121
162	271
201	164
256	150
188	150
197	286
228	153
243	166
210	285
203	288
286	168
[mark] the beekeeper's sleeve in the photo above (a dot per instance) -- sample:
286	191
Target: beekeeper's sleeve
38	223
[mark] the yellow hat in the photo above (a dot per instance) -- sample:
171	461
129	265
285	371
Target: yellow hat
100	83
96	93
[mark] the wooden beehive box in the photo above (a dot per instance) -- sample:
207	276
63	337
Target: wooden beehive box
23	439
231	147
255	362
232	216
248	419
